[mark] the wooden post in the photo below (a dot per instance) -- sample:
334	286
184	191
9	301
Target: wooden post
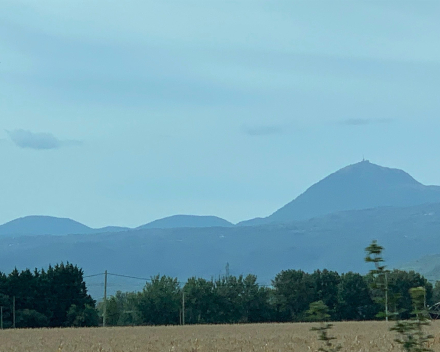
13	312
104	314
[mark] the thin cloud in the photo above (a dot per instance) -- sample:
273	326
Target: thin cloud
38	141
363	122
267	130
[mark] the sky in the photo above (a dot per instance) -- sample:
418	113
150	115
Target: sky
123	112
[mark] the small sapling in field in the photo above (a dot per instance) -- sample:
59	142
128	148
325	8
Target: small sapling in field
318	311
412	338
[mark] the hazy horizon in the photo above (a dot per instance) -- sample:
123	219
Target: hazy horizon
121	114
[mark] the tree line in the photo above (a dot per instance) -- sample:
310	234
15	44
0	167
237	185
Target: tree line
46	298
58	297
240	299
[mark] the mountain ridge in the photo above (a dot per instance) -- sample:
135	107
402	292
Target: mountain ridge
34	225
358	186
193	221
362	185
335	242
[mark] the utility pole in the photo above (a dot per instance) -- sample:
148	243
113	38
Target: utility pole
13	312
424	297
1	318
183	307
386	296
104	315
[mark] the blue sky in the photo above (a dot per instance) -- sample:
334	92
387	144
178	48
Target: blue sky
119	113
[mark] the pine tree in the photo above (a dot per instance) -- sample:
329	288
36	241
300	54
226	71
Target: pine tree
379	274
318	311
412	337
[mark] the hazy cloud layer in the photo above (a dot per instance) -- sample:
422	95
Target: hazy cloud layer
363	122
39	141
267	130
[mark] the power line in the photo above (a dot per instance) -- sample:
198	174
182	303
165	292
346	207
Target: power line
131	277
93	275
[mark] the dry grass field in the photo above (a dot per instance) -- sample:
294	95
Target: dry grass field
355	337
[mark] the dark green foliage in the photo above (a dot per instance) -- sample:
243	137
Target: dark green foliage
122	309
354	299
411	335
28	318
399	285
160	301
64	287
199	295
256	301
326	286
58	297
240	299
6	303
435	298
294	291
227	300
44	298
82	316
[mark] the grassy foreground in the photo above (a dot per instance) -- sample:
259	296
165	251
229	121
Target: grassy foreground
353	336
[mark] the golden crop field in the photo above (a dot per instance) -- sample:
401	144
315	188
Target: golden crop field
354	337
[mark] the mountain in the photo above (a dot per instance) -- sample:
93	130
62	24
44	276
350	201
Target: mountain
43	225
427	265
335	241
49	225
181	221
328	226
359	186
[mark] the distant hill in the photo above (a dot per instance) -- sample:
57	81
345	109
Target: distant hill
359	186
49	225
335	241
428	266
43	225
181	221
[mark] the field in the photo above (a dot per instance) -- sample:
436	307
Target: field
356	337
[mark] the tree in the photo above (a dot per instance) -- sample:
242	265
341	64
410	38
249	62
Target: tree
63	286
29	318
435	298
399	285
160	301
86	316
293	292
380	283
228	300
256	301
113	312
412	337
325	284
199	301
354	300
122	309
43	298
318	311
6	303
128	303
